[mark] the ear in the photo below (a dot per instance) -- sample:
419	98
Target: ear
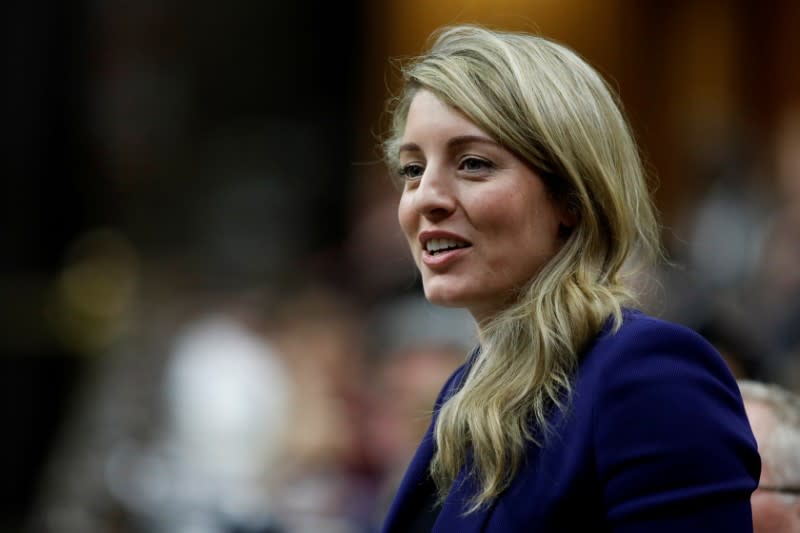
567	220
569	216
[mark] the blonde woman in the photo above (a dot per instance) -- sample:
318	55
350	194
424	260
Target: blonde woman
524	201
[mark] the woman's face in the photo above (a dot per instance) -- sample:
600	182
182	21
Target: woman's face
478	219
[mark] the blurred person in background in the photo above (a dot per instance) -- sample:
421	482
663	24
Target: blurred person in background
227	396
715	245
409	382
523	198
731	330
180	427
775	295
325	471
774	414
415	347
233	412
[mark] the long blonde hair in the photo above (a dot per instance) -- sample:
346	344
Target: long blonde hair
544	103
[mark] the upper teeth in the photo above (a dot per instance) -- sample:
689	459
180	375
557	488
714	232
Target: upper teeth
434	245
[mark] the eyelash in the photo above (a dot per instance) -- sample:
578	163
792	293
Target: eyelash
407	170
485	165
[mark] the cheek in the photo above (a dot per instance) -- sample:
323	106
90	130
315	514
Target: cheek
526	241
519	224
496	215
406	216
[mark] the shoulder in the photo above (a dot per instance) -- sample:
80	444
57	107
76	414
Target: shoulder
654	368
640	329
669	427
647	346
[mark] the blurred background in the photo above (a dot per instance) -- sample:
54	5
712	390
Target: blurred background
209	319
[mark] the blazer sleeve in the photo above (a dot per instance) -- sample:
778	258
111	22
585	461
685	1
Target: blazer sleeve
673	446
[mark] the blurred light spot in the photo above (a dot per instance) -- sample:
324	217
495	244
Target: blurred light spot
94	294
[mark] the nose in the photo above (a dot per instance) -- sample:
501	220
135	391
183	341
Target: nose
434	197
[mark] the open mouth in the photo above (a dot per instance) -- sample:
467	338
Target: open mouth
438	246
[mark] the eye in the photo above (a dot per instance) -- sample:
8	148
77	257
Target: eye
411	171
474	164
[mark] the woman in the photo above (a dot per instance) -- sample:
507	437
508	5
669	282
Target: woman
523	199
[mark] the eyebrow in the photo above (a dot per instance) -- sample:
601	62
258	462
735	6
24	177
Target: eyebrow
452	143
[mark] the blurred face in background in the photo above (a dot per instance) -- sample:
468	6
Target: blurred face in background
479	221
773	512
406	387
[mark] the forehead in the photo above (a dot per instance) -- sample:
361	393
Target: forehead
428	115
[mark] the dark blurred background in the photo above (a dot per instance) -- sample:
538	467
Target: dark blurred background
209	318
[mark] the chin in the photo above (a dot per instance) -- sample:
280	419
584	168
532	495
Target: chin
438	299
450	295
445	298
480	304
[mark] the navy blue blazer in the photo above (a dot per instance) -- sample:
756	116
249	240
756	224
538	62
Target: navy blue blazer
656	440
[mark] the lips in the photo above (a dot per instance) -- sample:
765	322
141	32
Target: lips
434	240
440	248
436	246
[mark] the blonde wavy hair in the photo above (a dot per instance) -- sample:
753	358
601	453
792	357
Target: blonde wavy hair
544	103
